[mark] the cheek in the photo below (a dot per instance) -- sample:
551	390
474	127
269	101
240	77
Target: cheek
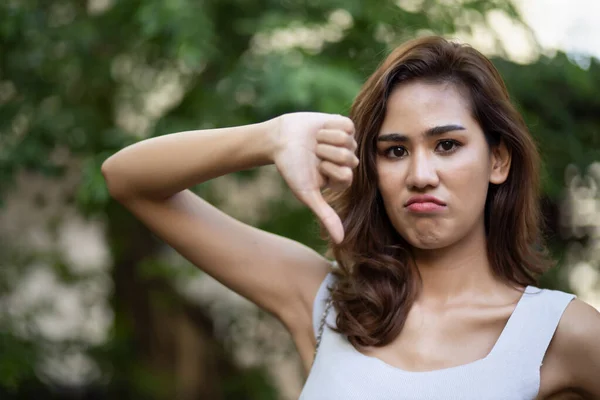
467	179
390	181
467	174
472	156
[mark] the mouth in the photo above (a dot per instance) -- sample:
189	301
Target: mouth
425	203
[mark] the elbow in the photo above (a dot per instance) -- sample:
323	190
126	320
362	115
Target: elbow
113	179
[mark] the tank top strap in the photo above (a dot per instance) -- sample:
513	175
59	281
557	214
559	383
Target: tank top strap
532	325
320	301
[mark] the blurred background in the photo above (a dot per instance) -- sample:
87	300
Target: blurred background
92	305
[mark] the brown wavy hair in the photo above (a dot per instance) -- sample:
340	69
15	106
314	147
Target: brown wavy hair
377	279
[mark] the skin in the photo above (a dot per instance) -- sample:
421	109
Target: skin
461	306
456	167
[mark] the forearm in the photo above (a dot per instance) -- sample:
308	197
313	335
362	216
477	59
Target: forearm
162	166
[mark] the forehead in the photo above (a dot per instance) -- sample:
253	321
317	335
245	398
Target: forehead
421	105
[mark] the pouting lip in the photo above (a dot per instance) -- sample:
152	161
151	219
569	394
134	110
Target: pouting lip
424	199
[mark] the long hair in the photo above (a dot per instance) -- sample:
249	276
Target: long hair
377	280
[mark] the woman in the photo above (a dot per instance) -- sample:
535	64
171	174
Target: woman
435	231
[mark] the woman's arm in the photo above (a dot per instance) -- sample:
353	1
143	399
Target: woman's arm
578	340
160	167
151	178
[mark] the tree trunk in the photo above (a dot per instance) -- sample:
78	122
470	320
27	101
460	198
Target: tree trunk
169	339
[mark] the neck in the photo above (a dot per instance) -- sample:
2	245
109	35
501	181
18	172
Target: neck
457	272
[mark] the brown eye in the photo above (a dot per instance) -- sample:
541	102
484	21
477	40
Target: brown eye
396	152
447	145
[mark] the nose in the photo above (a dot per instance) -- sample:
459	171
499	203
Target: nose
422	172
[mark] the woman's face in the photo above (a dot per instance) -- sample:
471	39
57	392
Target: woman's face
434	165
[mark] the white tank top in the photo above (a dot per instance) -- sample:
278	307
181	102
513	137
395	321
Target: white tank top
511	371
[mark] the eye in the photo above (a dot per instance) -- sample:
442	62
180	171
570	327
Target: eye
395	152
447	146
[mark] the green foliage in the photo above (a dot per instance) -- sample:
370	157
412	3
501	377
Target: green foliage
253	384
558	100
92	194
80	79
19	357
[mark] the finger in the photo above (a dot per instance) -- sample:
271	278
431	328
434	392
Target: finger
328	217
336	137
339	177
340	122
337	155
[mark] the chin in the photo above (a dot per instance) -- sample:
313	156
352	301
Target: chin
426	244
426	240
426	234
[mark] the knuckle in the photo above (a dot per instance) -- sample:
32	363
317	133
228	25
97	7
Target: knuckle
346	175
347	123
351	127
340	122
350	157
324	136
350	142
341	138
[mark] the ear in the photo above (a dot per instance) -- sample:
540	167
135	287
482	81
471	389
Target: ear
500	158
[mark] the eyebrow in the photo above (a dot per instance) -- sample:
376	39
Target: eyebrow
431	132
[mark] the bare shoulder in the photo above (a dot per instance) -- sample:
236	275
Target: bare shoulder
579	325
576	345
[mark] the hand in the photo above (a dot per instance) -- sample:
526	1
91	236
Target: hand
314	150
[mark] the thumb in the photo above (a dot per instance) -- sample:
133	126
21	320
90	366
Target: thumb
332	222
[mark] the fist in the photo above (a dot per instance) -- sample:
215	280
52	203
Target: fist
315	150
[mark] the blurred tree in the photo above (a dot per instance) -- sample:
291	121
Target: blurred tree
557	99
87	78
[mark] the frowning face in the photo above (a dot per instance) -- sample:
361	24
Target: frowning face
434	165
